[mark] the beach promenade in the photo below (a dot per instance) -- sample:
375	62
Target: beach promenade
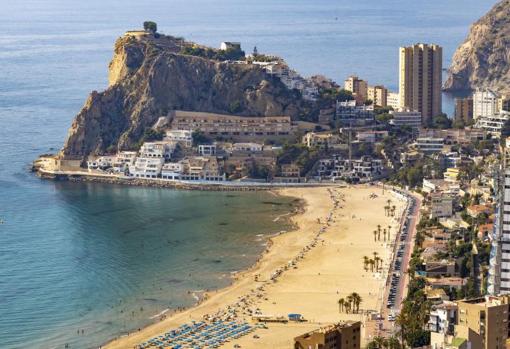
305	271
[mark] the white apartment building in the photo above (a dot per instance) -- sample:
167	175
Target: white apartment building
393	100
362	169
101	162
123	160
207	149
248	147
493	123
146	167
157	150
406	118
485	103
429	144
182	137
442	318
172	170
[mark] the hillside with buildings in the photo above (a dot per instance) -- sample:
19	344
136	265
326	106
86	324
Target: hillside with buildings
482	61
152	74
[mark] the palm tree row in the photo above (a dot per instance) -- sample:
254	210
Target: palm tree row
350	304
375	262
389	210
377	233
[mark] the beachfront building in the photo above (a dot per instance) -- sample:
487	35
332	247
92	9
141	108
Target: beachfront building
345	335
146	167
172	170
101	162
160	149
202	168
123	160
182	137
238	128
410	119
350	114
420	79
364	169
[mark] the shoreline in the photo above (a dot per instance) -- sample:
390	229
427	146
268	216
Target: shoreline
81	176
298	208
314	221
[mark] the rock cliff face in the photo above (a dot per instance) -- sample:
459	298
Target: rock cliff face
149	77
483	60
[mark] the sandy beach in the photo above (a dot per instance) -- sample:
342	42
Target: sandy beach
334	233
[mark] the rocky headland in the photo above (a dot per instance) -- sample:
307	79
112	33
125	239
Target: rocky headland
483	60
151	75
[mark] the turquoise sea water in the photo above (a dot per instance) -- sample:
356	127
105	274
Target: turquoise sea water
83	256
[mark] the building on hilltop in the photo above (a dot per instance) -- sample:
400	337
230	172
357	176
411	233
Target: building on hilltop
348	113
358	87
230	45
378	95
345	335
420	79
238	128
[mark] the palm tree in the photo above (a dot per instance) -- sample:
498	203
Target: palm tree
379	235
384	234
389	229
356	301
392	343
401	321
371	262
365	263
379	342
350	301
379	230
341	303
347	307
377	259
386	208
375	235
393	208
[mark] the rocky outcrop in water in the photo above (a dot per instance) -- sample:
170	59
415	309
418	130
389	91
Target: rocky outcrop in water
483	60
148	77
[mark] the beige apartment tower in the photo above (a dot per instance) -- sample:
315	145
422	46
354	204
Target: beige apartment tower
483	322
420	79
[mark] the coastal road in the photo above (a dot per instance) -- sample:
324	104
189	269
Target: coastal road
384	326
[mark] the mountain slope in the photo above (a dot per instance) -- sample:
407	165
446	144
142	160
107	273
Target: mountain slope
483	60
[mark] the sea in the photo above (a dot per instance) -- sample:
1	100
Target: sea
83	263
